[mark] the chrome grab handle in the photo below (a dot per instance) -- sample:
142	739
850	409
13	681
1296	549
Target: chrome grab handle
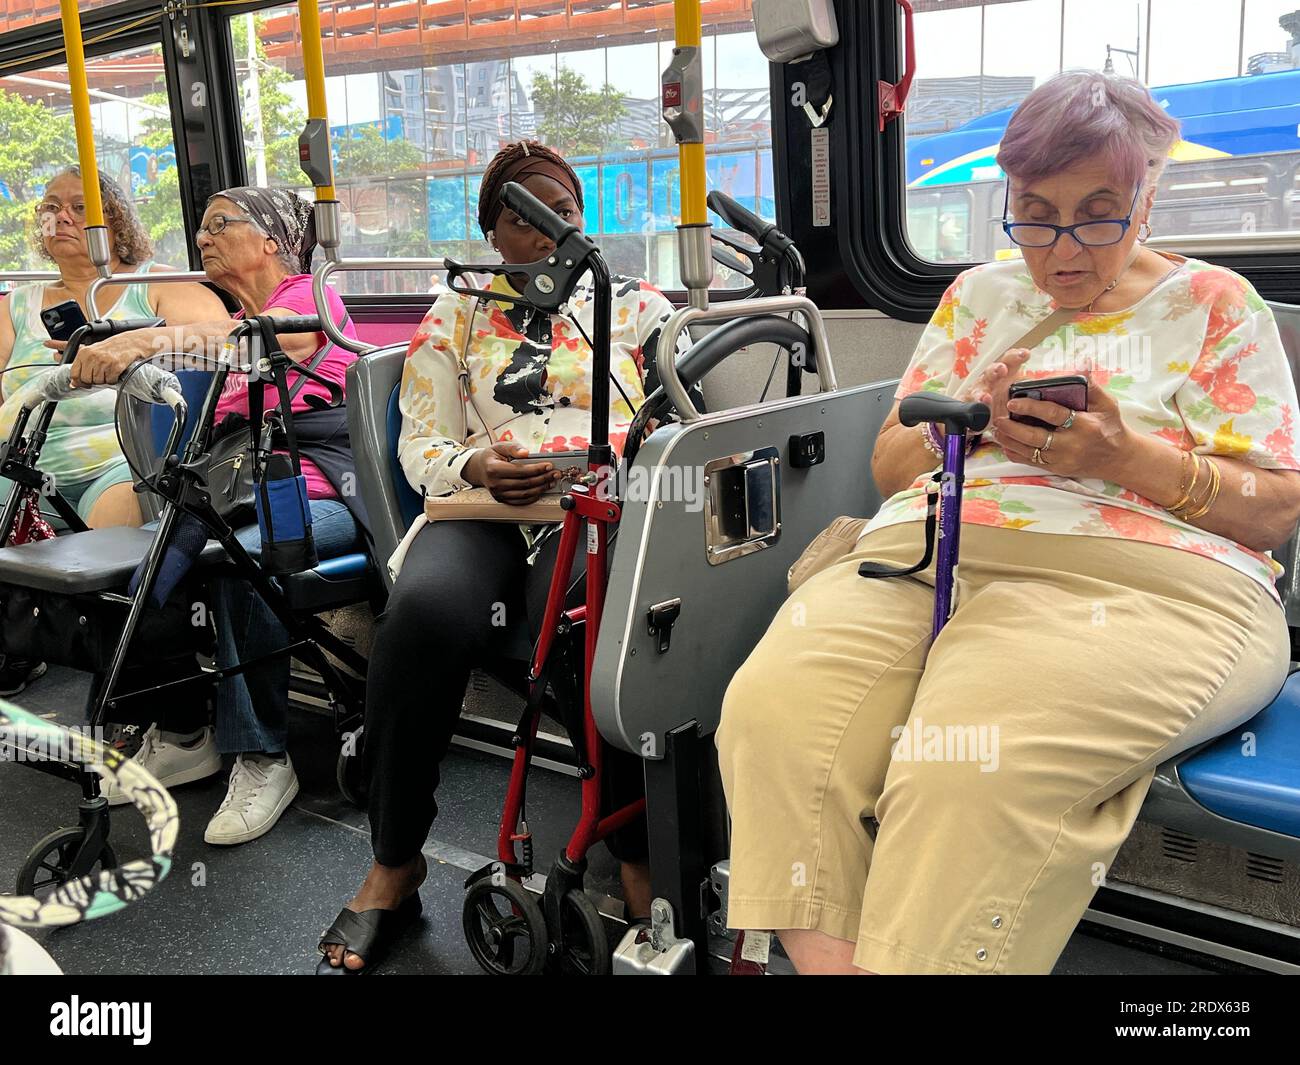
325	269
680	320
164	277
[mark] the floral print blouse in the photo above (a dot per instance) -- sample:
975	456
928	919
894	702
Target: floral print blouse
1197	362
528	377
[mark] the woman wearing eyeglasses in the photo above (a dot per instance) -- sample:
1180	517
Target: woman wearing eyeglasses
81	453
899	807
256	244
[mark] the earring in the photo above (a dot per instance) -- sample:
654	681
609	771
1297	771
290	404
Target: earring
1144	231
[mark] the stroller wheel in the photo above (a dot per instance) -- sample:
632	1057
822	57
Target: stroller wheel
49	863
586	946
349	773
505	928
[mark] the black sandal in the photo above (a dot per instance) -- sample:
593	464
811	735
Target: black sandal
368	934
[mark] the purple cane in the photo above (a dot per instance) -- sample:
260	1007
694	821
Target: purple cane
957	418
950	488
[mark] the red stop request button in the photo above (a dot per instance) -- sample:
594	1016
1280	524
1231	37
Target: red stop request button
673	94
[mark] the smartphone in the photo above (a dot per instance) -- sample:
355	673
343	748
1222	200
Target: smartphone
63	319
559	458
1070	391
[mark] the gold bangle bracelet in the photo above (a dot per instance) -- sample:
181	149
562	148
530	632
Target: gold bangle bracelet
1213	493
1191	488
1186	490
1199	507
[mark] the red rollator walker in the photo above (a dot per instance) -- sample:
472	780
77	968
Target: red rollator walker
509	931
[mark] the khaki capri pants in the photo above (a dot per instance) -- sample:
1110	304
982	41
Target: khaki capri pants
952	809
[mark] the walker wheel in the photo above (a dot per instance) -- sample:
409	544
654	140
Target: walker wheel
586	946
349	772
505	928
49	863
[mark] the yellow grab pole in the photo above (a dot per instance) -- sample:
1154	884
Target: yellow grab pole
687	24
682	86
313	61
314	153
96	231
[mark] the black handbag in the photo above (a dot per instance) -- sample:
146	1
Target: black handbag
230	454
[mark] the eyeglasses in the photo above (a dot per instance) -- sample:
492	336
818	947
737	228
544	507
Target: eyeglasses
1043	234
218	222
54	207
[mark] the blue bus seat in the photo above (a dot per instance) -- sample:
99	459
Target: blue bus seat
408	500
194	387
1252	775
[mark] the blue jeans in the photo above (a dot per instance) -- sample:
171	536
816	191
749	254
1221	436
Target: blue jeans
253	707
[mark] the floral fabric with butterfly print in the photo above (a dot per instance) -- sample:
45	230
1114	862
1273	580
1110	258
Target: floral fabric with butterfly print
529	378
1197	362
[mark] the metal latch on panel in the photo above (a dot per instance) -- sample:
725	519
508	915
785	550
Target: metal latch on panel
662	617
742	504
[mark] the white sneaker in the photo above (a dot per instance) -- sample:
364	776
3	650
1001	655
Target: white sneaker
261	789
171	763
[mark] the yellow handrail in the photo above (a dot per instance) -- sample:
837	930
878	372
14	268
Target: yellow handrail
688	26
313	61
96	231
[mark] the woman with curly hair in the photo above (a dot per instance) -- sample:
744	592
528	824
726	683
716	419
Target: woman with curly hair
81	453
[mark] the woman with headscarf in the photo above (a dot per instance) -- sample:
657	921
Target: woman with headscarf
527	389
256	244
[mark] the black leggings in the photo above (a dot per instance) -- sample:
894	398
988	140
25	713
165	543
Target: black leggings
462	587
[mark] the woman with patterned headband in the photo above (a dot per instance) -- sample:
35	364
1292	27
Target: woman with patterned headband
527	389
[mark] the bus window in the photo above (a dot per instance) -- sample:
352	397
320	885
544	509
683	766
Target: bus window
133	141
938	225
1231	76
411	139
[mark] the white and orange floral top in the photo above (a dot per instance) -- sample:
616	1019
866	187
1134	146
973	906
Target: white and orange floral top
528	376
1197	362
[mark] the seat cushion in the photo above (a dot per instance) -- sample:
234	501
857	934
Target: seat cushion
99	560
335	582
1258	784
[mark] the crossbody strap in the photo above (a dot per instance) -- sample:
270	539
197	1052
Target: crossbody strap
316	360
1046	327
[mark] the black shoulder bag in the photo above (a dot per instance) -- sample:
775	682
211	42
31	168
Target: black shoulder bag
230	453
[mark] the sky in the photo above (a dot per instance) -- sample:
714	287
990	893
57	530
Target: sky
1190	40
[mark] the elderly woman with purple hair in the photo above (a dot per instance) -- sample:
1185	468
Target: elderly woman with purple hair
903	804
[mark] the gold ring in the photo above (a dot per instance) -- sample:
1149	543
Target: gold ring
1038	456
1047	444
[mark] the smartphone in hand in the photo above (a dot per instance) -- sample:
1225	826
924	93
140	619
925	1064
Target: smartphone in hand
1069	391
63	319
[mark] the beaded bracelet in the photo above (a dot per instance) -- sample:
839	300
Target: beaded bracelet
935	443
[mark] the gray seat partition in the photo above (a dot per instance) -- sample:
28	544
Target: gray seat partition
638	693
370	383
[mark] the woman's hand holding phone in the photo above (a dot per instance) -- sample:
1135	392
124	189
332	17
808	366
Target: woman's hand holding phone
1097	443
517	483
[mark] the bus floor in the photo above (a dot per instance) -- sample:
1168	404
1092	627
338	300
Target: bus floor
260	907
